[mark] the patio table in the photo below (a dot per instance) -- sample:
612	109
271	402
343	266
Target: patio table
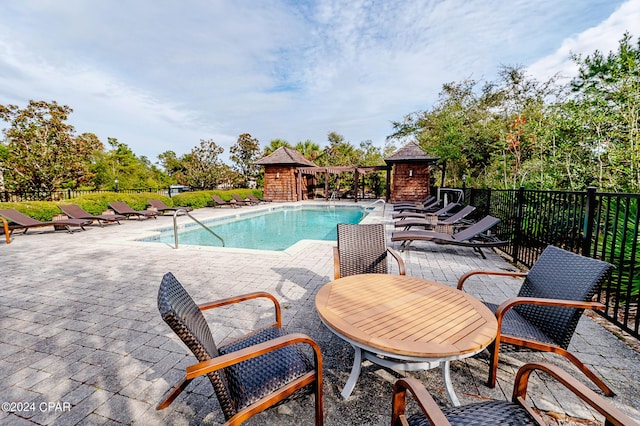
403	322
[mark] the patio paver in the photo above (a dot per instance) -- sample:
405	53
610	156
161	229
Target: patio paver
80	327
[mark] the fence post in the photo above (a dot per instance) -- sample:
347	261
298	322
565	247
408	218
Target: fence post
589	221
517	225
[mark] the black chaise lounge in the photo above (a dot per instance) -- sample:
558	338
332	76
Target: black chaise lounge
74	211
496	412
432	221
251	372
163	208
444	211
474	236
18	220
123	208
544	315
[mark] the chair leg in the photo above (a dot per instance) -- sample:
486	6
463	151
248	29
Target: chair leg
587	372
494	349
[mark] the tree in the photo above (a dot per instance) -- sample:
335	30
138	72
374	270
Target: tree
202	165
275	144
607	91
339	152
42	154
309	149
244	154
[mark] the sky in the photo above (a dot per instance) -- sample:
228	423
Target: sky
162	75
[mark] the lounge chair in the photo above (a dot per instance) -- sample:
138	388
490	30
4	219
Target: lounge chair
544	315
362	249
440	212
162	207
123	208
492	412
254	200
219	202
422	203
474	236
240	201
428	222
18	220
430	206
250	373
76	212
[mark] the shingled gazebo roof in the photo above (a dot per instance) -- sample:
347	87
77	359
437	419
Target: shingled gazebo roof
411	152
285	156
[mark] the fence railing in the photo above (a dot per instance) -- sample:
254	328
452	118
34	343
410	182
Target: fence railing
66	194
590	223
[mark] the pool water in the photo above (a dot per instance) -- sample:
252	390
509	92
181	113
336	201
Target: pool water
273	230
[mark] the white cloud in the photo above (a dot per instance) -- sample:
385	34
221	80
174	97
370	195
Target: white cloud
603	37
161	75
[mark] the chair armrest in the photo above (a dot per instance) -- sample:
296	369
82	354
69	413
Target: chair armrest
481	272
336	263
424	400
576	304
396	256
242	298
253	351
604	407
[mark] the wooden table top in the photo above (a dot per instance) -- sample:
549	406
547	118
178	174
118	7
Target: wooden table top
406	315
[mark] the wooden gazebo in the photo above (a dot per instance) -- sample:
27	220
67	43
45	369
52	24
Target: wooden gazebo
282	180
411	173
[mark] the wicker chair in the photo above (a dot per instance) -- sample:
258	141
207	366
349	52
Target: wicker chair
544	315
489	413
362	249
248	374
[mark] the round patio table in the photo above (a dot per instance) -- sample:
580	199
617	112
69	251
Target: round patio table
405	323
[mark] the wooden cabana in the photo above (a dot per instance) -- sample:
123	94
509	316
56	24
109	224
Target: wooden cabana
282	180
411	174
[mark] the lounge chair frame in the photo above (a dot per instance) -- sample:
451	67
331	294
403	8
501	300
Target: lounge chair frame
163	208
124	209
76	212
18	220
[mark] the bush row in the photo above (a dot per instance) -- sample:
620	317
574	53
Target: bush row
99	202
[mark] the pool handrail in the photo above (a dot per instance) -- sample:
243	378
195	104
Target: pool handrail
175	226
384	204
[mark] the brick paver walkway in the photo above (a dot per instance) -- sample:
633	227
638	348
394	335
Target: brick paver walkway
82	341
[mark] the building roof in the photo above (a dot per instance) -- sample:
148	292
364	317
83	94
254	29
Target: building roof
285	156
411	152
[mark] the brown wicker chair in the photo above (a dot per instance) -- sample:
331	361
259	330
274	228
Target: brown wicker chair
248	374
362	249
490	413
17	220
76	212
544	315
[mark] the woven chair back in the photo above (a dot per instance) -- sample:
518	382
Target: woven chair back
362	249
559	274
181	313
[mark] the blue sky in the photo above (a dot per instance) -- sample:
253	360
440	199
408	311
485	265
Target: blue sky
161	75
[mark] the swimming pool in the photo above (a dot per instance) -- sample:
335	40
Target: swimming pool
275	229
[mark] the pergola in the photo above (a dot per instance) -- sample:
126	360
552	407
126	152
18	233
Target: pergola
337	170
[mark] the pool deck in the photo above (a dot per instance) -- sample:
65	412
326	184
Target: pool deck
81	331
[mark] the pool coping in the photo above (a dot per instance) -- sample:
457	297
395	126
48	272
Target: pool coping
374	215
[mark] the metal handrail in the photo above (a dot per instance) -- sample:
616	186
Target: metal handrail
384	204
175	226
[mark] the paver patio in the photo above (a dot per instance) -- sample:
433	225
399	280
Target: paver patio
81	330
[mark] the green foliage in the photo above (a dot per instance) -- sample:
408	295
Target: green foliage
203	165
200	199
244	154
275	144
41	151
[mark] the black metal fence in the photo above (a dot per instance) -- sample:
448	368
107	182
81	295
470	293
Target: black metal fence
594	224
66	194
